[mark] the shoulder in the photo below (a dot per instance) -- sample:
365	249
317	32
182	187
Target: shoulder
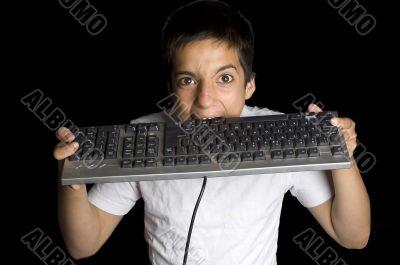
256	111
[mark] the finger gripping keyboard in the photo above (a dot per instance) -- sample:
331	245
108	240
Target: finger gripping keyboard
217	147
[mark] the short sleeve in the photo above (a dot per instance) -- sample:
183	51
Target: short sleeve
115	198
311	188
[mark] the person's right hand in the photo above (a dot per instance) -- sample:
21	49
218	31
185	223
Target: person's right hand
65	148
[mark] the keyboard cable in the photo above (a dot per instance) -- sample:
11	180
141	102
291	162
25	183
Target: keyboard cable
192	221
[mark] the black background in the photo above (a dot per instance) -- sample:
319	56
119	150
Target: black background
301	47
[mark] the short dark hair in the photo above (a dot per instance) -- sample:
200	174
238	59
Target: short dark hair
205	19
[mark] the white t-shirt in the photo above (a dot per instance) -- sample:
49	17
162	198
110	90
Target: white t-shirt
237	220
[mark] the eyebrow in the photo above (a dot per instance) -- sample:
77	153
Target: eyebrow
226	67
219	70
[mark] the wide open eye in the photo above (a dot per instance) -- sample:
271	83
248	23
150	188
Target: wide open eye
186	81
225	79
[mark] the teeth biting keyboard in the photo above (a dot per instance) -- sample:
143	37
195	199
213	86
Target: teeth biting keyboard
218	147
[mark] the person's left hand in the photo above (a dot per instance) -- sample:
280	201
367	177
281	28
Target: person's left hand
347	127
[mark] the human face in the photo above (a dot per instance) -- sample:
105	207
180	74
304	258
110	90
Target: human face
208	79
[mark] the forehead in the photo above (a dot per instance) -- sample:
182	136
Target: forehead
206	51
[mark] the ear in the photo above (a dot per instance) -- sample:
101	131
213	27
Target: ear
250	88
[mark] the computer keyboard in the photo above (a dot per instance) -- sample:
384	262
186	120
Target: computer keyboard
217	147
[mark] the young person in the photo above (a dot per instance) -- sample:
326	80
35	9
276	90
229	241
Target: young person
208	52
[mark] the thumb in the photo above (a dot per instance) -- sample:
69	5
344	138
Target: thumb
62	150
314	108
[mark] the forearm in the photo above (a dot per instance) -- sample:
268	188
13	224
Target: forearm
351	217
78	220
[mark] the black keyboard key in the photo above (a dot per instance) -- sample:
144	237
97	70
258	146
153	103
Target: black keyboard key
233	139
280	136
276	145
140	139
247	156
185	141
281	123
98	154
181	150
129	139
252	146
289	153
235	157
169	151
247	125
245	139
312	129
334	139
110	154
130	129
301	152
216	148
264	145
138	163
92	130
300	143
181	160
323	141
259	155
127	153
193	149
126	163
139	153
302	135
337	150
228	147
303	122
113	146
269	124
311	142
287	143
152	138
223	127
277	154
140	145
141	130
256	138
151	152
276	130
193	160
205	159
313	152
254	132
315	134
154	127
292	123
259	125
102	134
151	162
236	126
268	137
223	158
168	161
152	144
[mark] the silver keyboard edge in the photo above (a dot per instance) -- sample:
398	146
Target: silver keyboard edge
95	178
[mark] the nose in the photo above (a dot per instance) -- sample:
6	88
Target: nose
205	95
